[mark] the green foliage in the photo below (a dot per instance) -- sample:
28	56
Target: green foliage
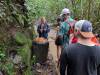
10	13
8	67
82	9
13	14
48	8
24	51
5	64
2	56
87	9
2	52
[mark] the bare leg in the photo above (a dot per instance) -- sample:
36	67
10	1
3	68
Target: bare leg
59	48
57	53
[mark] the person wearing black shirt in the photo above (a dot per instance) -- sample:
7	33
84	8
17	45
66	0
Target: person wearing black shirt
82	58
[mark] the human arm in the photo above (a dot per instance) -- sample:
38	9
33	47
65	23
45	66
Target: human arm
47	28
39	29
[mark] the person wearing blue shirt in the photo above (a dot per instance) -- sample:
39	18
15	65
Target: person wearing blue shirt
43	28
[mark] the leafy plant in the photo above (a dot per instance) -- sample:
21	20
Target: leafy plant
9	68
2	56
2	52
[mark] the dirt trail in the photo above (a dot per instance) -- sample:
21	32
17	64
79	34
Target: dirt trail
52	47
53	50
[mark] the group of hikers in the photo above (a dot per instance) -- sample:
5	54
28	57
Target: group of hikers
78	51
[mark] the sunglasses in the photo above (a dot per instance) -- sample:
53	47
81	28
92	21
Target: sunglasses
66	14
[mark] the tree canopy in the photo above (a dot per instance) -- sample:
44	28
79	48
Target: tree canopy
81	9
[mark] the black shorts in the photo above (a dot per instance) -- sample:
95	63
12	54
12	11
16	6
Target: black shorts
59	41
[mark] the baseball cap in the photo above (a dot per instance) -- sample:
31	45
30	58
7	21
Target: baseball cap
85	28
65	11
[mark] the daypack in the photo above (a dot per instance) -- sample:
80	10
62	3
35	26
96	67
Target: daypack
71	31
71	24
66	29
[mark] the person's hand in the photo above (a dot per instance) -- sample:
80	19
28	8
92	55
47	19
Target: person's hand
44	29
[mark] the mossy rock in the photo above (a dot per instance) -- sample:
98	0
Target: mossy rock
20	38
29	42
